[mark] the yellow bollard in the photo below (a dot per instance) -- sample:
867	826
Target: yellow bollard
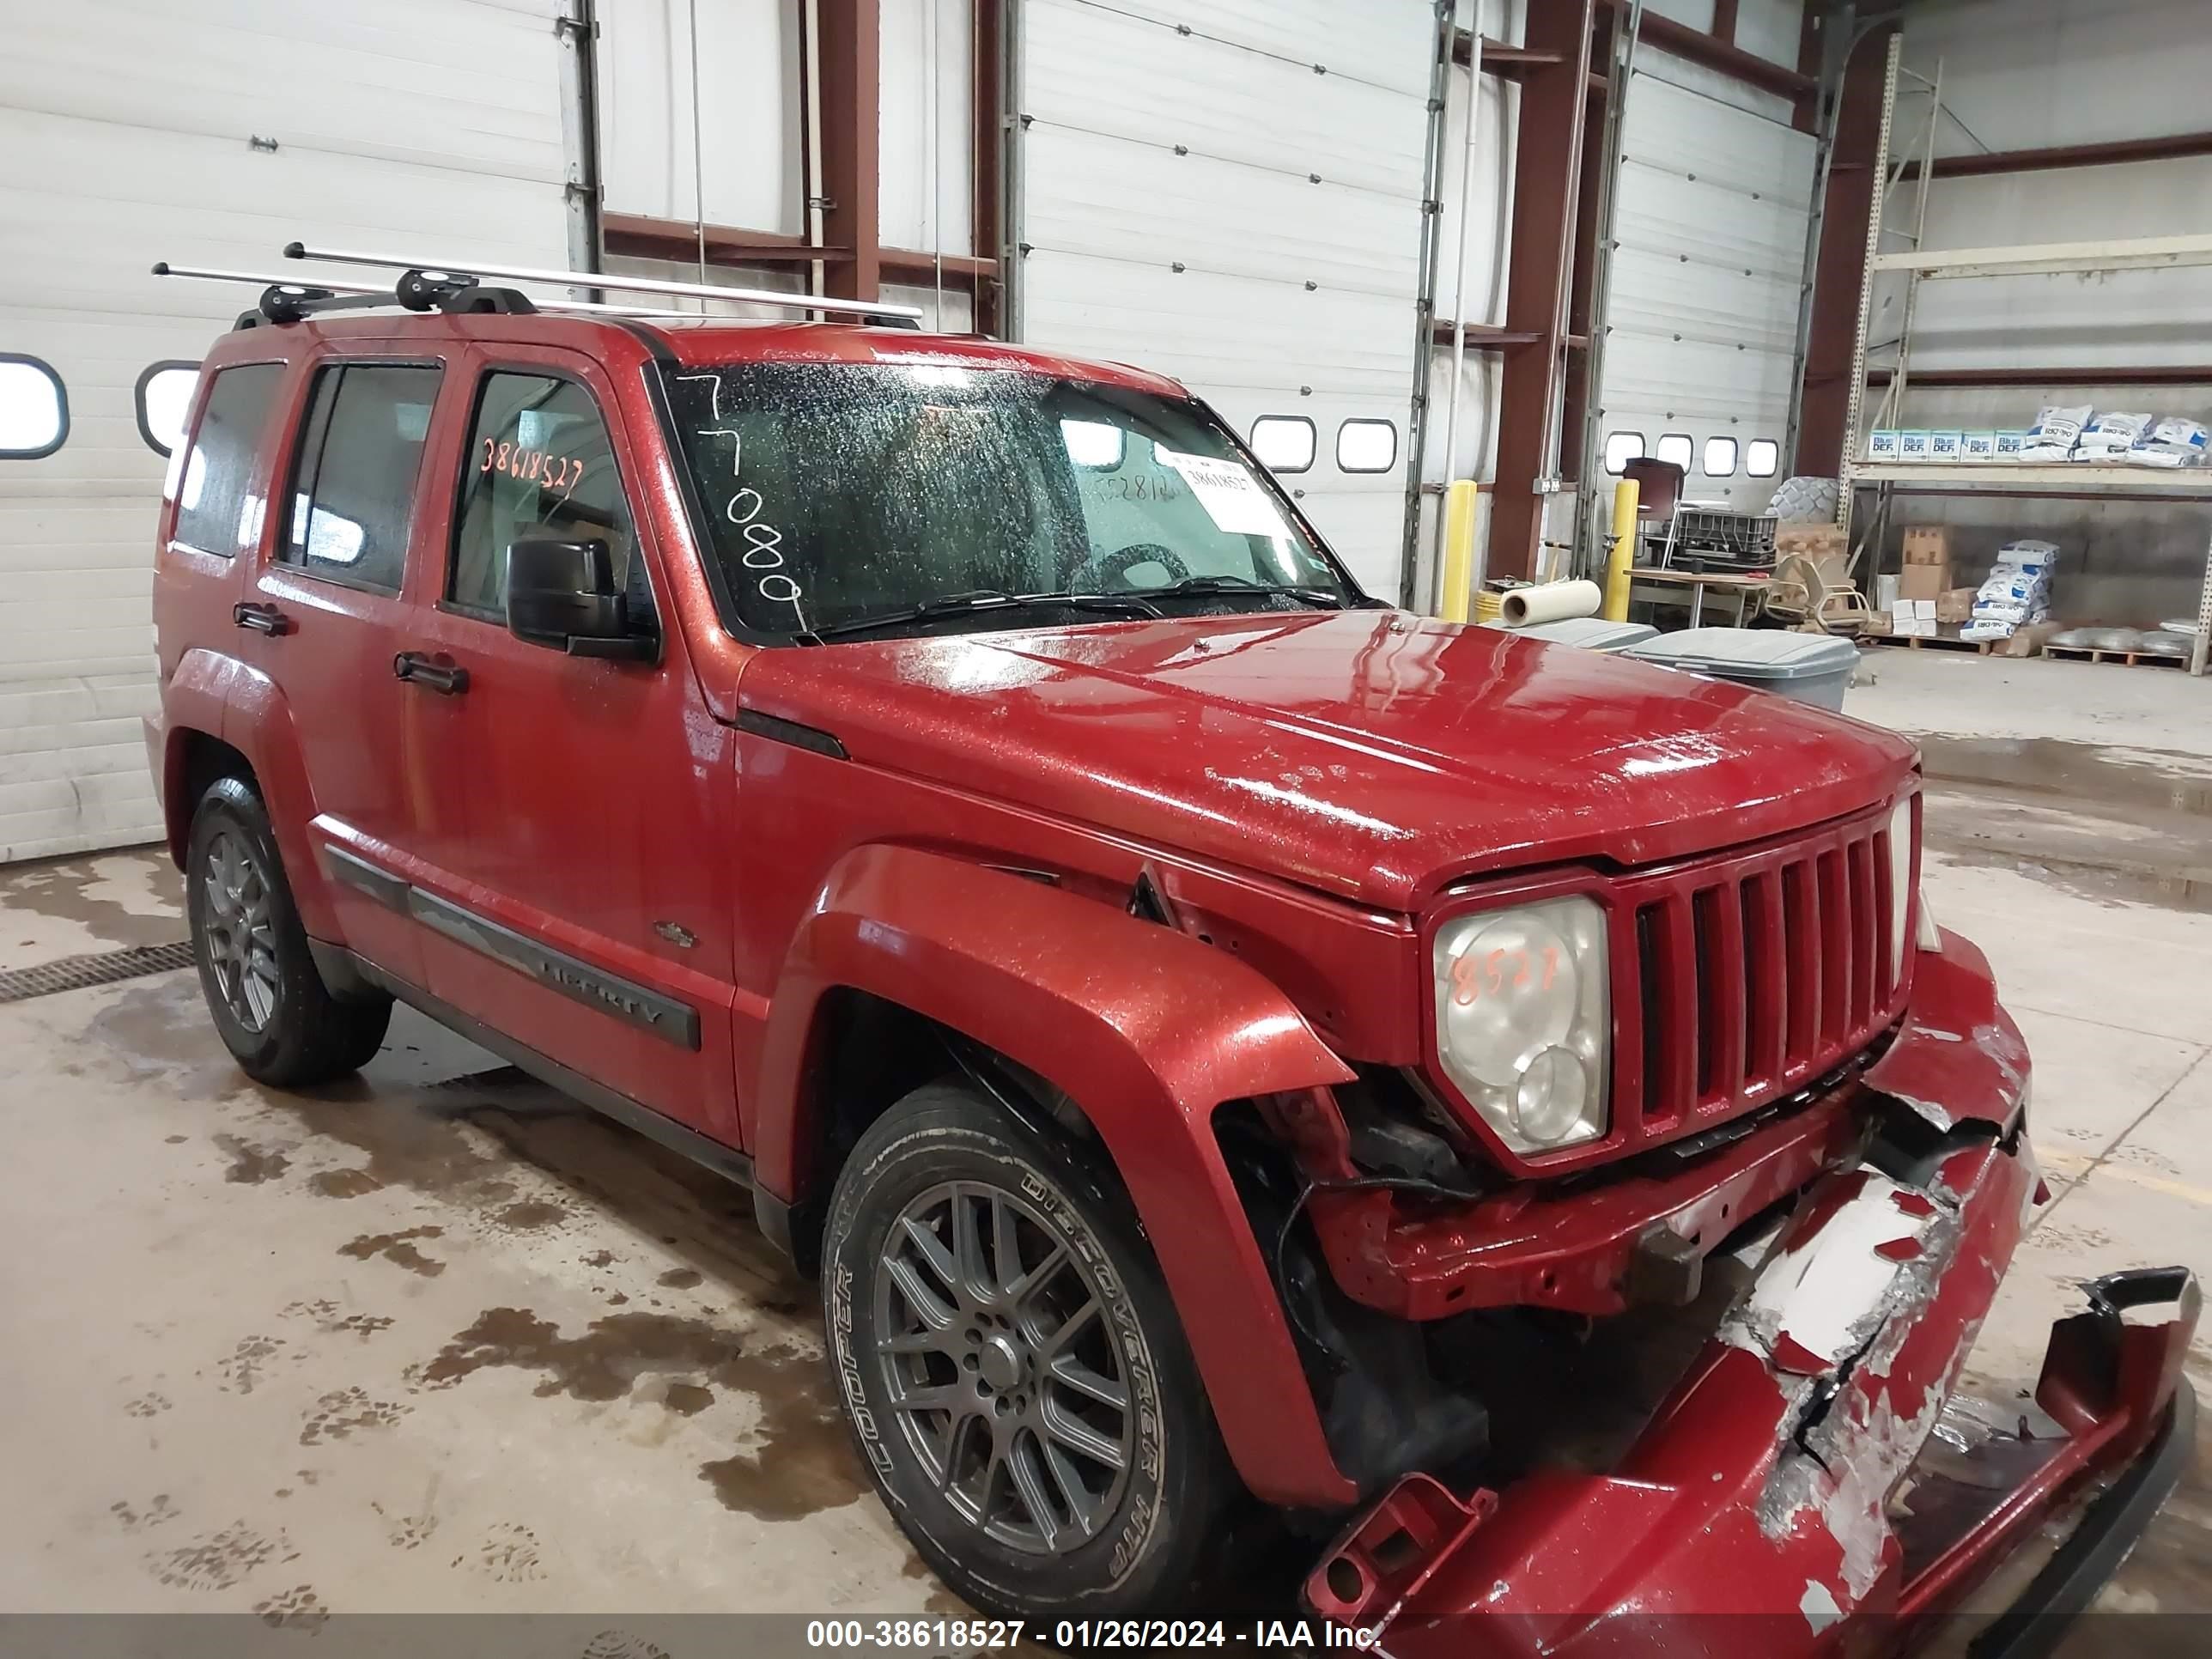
1621	553
1452	594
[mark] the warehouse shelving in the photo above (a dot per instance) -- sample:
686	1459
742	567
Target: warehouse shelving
1920	264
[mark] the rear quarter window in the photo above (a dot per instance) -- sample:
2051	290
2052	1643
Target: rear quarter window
220	497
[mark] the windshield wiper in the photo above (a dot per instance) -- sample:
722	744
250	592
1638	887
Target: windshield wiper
984	599
1321	598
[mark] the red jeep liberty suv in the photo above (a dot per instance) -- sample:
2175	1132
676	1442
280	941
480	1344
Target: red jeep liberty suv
1179	1005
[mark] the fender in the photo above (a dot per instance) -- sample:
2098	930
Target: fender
1148	1030
192	702
257	722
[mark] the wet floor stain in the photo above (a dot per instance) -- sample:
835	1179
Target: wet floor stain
2116	826
244	1367
508	1555
344	1184
160	1029
800	1460
251	1165
343	1413
680	1278
297	1608
530	1214
398	1248
213	1561
121	899
687	1398
2155	780
155	1511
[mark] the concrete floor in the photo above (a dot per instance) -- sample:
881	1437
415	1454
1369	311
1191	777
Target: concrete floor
438	1340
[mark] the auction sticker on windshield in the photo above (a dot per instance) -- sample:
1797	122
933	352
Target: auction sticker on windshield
1231	496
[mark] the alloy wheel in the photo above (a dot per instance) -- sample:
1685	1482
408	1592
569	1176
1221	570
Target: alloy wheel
239	930
1008	1378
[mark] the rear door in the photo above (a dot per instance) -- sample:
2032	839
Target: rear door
326	616
584	907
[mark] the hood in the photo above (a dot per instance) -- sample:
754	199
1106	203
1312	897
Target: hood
1367	754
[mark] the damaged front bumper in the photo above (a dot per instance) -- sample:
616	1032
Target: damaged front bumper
1812	1465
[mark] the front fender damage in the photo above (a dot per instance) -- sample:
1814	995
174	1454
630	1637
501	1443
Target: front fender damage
1779	1476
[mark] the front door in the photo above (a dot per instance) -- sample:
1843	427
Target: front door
587	913
323	616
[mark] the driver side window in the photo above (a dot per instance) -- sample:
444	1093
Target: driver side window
539	464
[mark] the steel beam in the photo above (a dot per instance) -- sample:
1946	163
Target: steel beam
852	101
643	236
2053	259
988	129
1847	205
2167	147
1723	56
1548	208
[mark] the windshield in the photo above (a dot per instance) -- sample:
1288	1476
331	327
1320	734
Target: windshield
841	493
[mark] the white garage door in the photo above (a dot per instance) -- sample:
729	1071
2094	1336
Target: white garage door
1709	219
1230	192
206	132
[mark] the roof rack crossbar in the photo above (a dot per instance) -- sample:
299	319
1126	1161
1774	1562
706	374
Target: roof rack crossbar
291	292
881	311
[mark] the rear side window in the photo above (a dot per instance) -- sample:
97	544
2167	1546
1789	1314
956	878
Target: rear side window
539	464
353	489
220	500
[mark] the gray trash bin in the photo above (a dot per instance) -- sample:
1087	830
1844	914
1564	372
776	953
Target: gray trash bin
1591	633
1812	668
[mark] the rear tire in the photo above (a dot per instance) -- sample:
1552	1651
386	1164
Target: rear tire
1026	1487
272	1008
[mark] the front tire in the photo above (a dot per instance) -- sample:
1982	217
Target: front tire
1012	1369
269	1004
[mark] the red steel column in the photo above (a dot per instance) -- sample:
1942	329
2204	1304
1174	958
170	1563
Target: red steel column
852	99
1547	176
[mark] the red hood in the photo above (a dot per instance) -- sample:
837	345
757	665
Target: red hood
1370	754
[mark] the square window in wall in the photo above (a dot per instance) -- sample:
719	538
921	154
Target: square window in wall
1366	446
1720	458
33	408
1621	448
1675	447
165	398
1285	443
1762	458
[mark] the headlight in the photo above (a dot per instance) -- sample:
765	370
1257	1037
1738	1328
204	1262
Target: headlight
1900	882
1523	1021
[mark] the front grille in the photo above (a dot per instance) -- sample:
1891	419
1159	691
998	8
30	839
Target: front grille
1749	976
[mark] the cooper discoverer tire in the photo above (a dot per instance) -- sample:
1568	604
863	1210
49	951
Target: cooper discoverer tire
1018	1381
275	1014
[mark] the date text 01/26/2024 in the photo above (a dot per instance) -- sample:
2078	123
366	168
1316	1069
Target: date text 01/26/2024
973	1635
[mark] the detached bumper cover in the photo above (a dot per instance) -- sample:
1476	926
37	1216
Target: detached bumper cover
1783	1476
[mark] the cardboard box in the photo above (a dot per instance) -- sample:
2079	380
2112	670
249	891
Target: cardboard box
1945	445
1881	444
1915	629
1979	447
2010	445
1911	446
1927	543
1924	583
1955	605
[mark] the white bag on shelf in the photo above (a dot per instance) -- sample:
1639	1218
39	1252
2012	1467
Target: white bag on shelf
2112	433
2057	427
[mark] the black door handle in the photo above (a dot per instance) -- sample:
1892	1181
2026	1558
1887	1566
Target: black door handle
261	618
447	679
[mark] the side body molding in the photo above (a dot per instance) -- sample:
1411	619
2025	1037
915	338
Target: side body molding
1147	1029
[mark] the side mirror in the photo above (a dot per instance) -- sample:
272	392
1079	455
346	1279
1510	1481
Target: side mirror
562	594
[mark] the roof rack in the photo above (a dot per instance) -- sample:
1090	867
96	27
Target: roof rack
896	316
285	300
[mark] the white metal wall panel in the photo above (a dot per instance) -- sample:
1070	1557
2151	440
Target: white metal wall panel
1710	223
2026	74
926	195
124	138
747	143
1230	193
